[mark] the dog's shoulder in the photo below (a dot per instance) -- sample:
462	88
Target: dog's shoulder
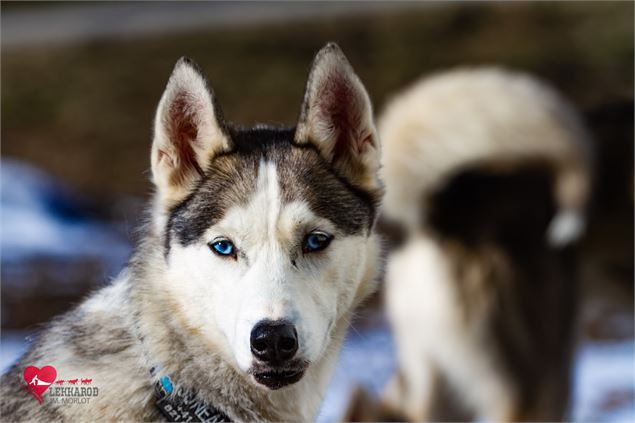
94	341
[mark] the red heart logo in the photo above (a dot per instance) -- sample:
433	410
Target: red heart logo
39	380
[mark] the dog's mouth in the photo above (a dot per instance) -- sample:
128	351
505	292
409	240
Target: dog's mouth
276	378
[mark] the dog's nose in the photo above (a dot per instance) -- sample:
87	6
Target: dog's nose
274	342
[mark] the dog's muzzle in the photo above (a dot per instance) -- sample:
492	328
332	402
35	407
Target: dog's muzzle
274	345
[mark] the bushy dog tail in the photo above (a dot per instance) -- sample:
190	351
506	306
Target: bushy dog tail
483	118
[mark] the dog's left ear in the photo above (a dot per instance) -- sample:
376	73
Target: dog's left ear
188	131
337	118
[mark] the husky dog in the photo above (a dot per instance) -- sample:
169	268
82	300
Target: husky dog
489	173
260	245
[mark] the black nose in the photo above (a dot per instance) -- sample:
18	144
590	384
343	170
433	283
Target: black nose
274	342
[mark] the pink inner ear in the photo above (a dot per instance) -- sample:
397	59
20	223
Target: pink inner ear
183	132
366	141
340	107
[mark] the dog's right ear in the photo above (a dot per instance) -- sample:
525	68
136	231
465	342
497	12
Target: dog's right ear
188	132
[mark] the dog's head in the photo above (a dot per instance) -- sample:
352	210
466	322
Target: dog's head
267	232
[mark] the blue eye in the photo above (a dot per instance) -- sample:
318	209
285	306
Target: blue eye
223	247
316	241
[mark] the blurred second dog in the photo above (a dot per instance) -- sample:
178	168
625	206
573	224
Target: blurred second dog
488	172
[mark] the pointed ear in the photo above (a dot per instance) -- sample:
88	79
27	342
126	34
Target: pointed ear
337	118
188	132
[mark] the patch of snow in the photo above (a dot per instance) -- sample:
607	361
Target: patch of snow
12	345
40	218
603	370
368	359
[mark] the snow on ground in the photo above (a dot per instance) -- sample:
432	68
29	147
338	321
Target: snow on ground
604	387
12	345
40	217
42	220
604	378
367	358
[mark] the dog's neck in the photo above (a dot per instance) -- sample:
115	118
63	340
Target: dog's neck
197	365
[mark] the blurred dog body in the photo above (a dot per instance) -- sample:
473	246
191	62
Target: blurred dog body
260	245
488	171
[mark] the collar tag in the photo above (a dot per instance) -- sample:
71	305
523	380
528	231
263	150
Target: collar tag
183	406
